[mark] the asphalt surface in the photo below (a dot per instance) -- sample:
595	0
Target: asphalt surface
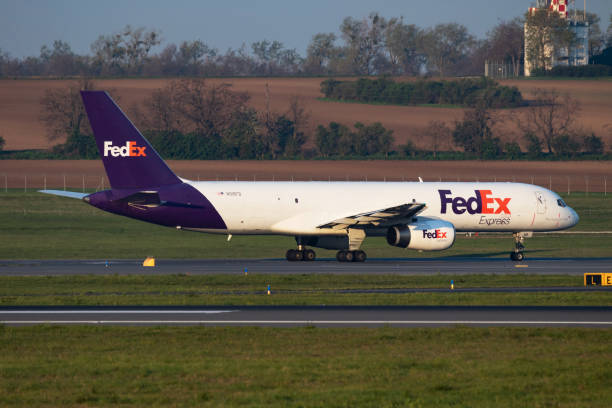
454	266
324	316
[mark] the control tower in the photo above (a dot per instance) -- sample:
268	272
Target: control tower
574	55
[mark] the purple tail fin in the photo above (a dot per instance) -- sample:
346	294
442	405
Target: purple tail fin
130	161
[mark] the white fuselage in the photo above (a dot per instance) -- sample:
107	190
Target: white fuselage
299	208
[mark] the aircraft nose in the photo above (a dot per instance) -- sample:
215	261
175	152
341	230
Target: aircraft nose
574	218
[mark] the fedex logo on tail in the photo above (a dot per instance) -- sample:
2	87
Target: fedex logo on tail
480	203
130	149
437	234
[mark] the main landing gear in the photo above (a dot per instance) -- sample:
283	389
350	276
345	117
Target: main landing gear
351	256
301	254
517	255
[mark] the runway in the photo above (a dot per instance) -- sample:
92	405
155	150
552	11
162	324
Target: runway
429	266
322	316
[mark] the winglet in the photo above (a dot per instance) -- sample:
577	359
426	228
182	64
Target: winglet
130	161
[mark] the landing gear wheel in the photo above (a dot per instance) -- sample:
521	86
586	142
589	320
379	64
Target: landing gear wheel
294	255
291	255
359	256
350	256
341	256
309	255
517	255
298	255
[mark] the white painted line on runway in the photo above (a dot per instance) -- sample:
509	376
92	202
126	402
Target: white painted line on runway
116	311
312	322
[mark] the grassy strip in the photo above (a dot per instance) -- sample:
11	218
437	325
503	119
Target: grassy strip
386	367
287	290
38	226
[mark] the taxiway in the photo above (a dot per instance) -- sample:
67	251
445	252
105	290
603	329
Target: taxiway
444	266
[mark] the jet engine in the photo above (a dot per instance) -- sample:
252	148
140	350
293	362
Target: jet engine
425	234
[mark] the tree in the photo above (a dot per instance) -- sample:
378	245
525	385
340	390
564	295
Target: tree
299	117
549	116
320	53
190	54
364	42
162	112
63	112
474	133
404	46
274	59
193	106
60	60
513	150
534	146
372	139
438	133
505	43
593	144
445	45
609	33
335	140
547	36
242	136
208	109
565	145
124	52
2	143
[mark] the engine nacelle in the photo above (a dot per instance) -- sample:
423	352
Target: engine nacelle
425	234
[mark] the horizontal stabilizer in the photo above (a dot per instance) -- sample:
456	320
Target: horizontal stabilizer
62	193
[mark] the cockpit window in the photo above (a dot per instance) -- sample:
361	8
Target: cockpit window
561	203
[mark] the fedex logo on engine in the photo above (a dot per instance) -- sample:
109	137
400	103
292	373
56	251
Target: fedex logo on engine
130	149
437	234
480	203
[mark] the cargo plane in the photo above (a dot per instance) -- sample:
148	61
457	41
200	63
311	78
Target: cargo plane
332	215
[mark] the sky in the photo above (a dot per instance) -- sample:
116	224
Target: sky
26	25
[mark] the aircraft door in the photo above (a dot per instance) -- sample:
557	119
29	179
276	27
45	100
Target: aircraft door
540	202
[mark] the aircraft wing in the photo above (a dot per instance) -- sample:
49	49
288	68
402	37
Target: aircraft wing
377	218
62	193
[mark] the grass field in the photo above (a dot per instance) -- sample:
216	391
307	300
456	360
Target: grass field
385	367
39	226
251	366
309	289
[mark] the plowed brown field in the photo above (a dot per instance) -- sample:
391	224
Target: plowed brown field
20	106
20	126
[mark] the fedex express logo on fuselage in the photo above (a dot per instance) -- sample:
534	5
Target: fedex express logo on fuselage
480	203
130	149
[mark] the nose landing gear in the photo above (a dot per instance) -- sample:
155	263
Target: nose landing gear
518	255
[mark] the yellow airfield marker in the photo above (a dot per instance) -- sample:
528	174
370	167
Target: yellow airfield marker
598	278
521	266
150	261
